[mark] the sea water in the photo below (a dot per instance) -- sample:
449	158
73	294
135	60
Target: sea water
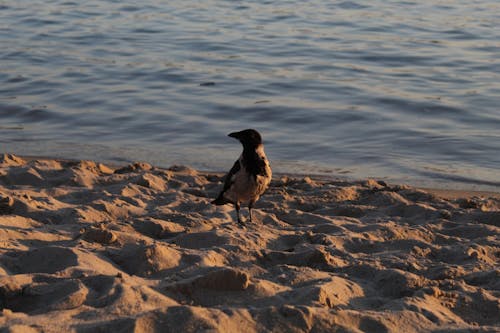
397	90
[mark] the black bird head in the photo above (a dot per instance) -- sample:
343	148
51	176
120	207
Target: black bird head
249	138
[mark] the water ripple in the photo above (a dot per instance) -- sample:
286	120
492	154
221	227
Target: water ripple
405	90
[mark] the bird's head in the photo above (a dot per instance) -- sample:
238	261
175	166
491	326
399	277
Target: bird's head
248	138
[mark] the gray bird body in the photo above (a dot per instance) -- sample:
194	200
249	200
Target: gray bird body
250	175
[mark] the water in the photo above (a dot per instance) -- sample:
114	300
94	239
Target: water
399	90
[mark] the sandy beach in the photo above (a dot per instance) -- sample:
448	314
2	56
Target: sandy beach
87	247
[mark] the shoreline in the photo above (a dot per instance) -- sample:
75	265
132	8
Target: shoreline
87	246
446	193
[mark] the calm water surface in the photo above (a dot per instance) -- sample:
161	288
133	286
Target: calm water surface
400	90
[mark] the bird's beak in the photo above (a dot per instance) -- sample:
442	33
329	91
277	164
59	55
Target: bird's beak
235	135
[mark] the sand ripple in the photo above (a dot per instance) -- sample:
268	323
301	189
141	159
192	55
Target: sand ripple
88	247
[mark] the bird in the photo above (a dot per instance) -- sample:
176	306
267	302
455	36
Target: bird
250	175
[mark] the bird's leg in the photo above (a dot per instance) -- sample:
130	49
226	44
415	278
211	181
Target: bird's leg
237	207
250	206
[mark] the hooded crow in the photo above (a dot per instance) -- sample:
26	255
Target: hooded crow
250	175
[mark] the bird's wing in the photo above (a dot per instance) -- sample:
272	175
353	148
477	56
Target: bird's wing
229	177
221	200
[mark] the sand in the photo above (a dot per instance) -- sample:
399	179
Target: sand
86	247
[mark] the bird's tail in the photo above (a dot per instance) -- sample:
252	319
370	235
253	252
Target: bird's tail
220	200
